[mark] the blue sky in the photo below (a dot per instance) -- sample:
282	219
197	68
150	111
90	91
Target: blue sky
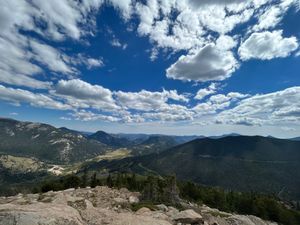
156	66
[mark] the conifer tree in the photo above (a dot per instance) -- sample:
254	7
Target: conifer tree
94	180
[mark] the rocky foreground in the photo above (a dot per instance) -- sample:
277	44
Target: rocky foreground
103	205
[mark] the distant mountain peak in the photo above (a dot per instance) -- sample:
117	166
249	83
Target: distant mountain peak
109	139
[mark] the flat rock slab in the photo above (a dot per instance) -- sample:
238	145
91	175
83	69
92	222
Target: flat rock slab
39	214
188	216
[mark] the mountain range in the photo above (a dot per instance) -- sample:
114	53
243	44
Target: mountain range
63	146
233	161
242	163
45	142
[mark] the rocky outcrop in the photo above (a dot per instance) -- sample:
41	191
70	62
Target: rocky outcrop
103	205
188	216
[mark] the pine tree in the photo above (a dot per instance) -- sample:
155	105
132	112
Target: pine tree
133	182
84	178
119	180
109	181
94	180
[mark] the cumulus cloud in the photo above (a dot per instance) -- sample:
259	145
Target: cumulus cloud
202	93
272	15
219	98
269	18
199	24
93	63
124	6
207	64
267	45
146	100
64	17
18	96
187	27
218	102
84	115
213	2
84	95
89	62
24	58
272	108
225	42
185	115
203	31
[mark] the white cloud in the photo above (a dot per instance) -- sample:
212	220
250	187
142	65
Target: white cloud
147	14
219	98
18	96
272	15
207	64
116	43
217	102
188	28
269	19
201	29
93	63
89	62
217	19
213	2
273	108
15	65
154	54
15	58
202	93
65	118
195	25
22	80
267	45
226	42
237	95
64	17
50	57
54	20
146	100
209	107
169	116
84	115
81	94
125	7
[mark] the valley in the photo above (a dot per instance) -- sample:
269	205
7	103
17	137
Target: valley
31	152
34	154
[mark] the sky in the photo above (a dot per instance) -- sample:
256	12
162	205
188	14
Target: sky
180	67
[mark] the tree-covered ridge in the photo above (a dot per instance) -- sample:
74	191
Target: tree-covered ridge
240	163
168	190
46	143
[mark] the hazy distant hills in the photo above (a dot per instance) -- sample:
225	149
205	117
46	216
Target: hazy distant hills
138	138
46	142
110	140
62	145
154	144
235	162
295	139
231	161
137	144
